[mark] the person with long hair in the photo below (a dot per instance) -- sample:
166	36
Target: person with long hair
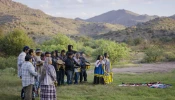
48	80
99	70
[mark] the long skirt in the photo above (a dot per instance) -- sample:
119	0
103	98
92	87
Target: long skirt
48	92
98	75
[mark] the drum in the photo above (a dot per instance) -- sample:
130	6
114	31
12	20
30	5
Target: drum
87	65
79	69
60	64
39	63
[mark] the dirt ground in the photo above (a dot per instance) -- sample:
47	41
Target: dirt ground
162	67
147	68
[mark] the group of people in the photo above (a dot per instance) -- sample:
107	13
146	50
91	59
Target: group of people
42	72
102	71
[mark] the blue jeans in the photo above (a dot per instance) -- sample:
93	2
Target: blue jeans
77	74
69	76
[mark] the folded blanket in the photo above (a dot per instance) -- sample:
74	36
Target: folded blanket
151	84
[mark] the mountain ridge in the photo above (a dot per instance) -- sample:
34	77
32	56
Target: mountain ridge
158	28
35	22
121	16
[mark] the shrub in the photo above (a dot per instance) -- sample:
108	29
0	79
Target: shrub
170	56
13	43
115	50
8	62
153	54
59	42
87	50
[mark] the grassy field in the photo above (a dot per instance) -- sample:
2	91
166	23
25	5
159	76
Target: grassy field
10	87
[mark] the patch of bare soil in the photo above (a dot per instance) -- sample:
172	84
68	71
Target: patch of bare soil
147	68
162	67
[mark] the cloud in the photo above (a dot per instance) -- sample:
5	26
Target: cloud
90	8
80	1
47	4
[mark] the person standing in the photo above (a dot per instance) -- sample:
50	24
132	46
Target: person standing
54	63
21	59
48	81
99	70
77	67
28	73
39	64
36	85
108	74
69	67
32	54
70	49
63	58
83	73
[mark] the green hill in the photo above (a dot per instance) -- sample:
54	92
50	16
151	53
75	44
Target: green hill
159	28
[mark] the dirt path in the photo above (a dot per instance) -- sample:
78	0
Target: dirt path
146	68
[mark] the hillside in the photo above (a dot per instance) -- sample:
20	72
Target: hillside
123	17
159	28
35	22
173	17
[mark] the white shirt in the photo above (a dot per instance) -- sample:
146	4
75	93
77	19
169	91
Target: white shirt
21	60
28	73
78	61
98	62
107	64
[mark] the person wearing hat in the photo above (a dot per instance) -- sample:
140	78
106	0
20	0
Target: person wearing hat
21	59
28	73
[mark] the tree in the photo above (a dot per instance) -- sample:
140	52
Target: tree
13	43
153	54
115	50
59	42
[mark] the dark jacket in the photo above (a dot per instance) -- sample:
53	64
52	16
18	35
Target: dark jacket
63	58
69	64
83	62
54	62
70	50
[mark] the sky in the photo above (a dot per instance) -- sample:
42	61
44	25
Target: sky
89	8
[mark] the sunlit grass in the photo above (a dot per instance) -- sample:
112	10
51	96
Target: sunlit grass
11	87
